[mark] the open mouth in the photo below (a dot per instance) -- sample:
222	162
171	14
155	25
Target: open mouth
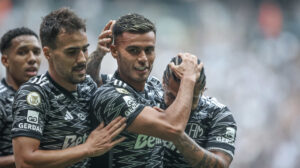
31	71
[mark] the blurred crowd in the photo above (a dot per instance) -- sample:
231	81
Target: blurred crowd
250	50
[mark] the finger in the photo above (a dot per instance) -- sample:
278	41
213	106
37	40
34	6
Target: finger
106	33
100	126
115	142
105	41
112	24
113	122
172	66
107	26
116	132
116	126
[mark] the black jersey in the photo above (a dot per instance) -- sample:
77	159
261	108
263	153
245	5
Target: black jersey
116	98
211	125
7	94
58	118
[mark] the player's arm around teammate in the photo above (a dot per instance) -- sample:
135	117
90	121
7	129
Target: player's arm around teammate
101	140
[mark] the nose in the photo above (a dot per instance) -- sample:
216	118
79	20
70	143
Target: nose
32	58
82	57
142	57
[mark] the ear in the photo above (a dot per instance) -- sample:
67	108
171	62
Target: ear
47	53
4	60
114	51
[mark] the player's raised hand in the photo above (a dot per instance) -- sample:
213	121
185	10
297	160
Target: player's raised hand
105	38
188	67
102	139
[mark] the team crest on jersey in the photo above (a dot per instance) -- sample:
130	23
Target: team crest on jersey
33	98
32	116
121	90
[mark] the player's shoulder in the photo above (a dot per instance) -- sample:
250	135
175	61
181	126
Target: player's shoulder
212	102
114	86
5	90
40	81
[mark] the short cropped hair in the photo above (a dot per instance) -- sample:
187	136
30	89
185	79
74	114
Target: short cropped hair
6	39
133	23
56	21
177	60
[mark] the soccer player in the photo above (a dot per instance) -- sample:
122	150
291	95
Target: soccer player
21	56
211	128
134	95
51	126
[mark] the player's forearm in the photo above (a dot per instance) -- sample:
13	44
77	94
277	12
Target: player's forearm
179	111
53	158
94	65
7	161
196	156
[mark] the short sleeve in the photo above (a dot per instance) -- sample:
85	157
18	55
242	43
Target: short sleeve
222	133
111	102
29	111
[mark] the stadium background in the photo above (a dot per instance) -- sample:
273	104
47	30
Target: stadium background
250	49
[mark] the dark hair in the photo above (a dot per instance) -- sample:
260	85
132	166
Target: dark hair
54	22
177	60
11	34
133	23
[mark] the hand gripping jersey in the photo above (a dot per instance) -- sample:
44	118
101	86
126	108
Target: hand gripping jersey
116	98
58	118
7	94
211	125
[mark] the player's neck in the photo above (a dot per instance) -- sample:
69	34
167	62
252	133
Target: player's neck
62	82
138	86
12	82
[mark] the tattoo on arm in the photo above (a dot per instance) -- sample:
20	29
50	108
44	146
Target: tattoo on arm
94	65
196	156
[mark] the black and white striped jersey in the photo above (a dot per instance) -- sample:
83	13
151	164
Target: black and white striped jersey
7	94
211	125
58	118
116	98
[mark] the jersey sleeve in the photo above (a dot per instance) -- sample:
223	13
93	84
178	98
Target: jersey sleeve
109	103
29	111
223	132
2	119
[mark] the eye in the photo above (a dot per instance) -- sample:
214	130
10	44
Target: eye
134	50
72	52
149	50
85	49
37	52
22	52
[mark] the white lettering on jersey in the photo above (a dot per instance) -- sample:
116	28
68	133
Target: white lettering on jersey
32	116
30	127
73	140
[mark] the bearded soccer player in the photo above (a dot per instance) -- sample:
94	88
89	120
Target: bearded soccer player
21	56
51	126
134	95
211	128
